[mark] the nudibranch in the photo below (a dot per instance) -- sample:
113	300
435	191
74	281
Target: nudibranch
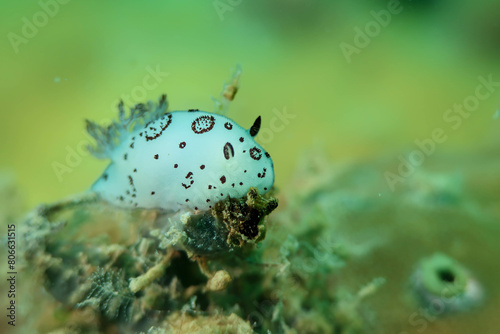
181	159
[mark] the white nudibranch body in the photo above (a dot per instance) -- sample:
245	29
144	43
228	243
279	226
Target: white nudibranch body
185	159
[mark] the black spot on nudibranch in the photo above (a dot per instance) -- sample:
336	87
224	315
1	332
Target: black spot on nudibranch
203	124
223	179
132	145
125	156
263	174
130	180
105	176
228	151
152	193
202	167
267	155
254	129
228	125
176	165
255	153
242	139
156	156
191	110
190	177
157	132
182	144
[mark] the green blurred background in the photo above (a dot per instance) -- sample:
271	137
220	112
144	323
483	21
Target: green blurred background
64	61
89	54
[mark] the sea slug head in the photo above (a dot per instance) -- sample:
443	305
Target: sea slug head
234	160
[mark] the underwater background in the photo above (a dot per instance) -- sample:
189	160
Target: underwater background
383	116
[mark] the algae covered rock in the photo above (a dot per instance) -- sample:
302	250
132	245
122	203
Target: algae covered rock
233	223
131	267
